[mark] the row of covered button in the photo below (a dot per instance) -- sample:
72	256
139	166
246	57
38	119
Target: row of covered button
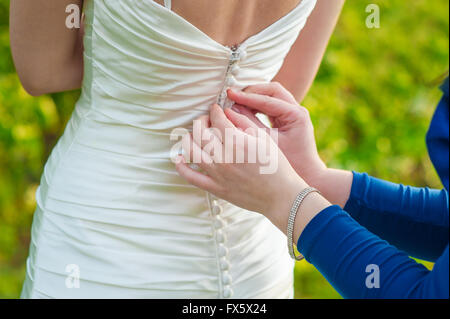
222	250
238	53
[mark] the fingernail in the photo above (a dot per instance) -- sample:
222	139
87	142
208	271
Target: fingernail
234	91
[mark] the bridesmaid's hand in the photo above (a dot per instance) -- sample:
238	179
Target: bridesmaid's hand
293	123
268	184
295	137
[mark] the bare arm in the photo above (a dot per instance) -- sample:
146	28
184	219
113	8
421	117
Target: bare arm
303	61
48	56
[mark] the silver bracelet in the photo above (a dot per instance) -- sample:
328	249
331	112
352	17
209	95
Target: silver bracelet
290	228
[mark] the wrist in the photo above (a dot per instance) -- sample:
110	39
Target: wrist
334	184
317	176
278	212
311	170
311	206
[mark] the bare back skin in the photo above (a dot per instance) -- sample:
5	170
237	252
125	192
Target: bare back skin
220	21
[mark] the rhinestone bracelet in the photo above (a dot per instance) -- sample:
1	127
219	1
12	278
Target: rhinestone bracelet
293	213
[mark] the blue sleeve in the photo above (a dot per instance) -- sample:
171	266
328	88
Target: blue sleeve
412	219
358	264
438	136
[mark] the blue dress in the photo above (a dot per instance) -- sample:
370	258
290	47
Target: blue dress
363	250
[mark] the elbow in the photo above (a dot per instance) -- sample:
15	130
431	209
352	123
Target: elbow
32	77
40	77
45	75
38	83
33	81
33	87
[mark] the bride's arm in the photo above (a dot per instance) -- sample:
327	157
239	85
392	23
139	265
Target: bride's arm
303	61
48	56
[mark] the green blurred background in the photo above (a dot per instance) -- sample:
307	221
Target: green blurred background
371	104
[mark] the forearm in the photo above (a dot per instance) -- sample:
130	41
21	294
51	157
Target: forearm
283	200
342	249
334	184
347	254
47	54
413	219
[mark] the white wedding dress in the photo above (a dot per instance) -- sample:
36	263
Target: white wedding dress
113	217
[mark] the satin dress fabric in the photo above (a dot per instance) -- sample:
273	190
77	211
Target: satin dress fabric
113	217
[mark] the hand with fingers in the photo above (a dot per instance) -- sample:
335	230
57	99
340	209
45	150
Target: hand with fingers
292	122
229	170
295	133
238	177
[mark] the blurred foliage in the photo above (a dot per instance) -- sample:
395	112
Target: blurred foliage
371	105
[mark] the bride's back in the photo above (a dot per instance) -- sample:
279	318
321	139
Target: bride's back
136	228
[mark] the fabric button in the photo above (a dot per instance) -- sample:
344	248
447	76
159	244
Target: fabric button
231	81
243	55
222	250
219	222
224	264
227	292
220	237
216	209
235	69
226	278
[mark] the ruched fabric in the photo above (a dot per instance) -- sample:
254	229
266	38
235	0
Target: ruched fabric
113	218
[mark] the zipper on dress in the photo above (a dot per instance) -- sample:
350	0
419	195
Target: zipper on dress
234	58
